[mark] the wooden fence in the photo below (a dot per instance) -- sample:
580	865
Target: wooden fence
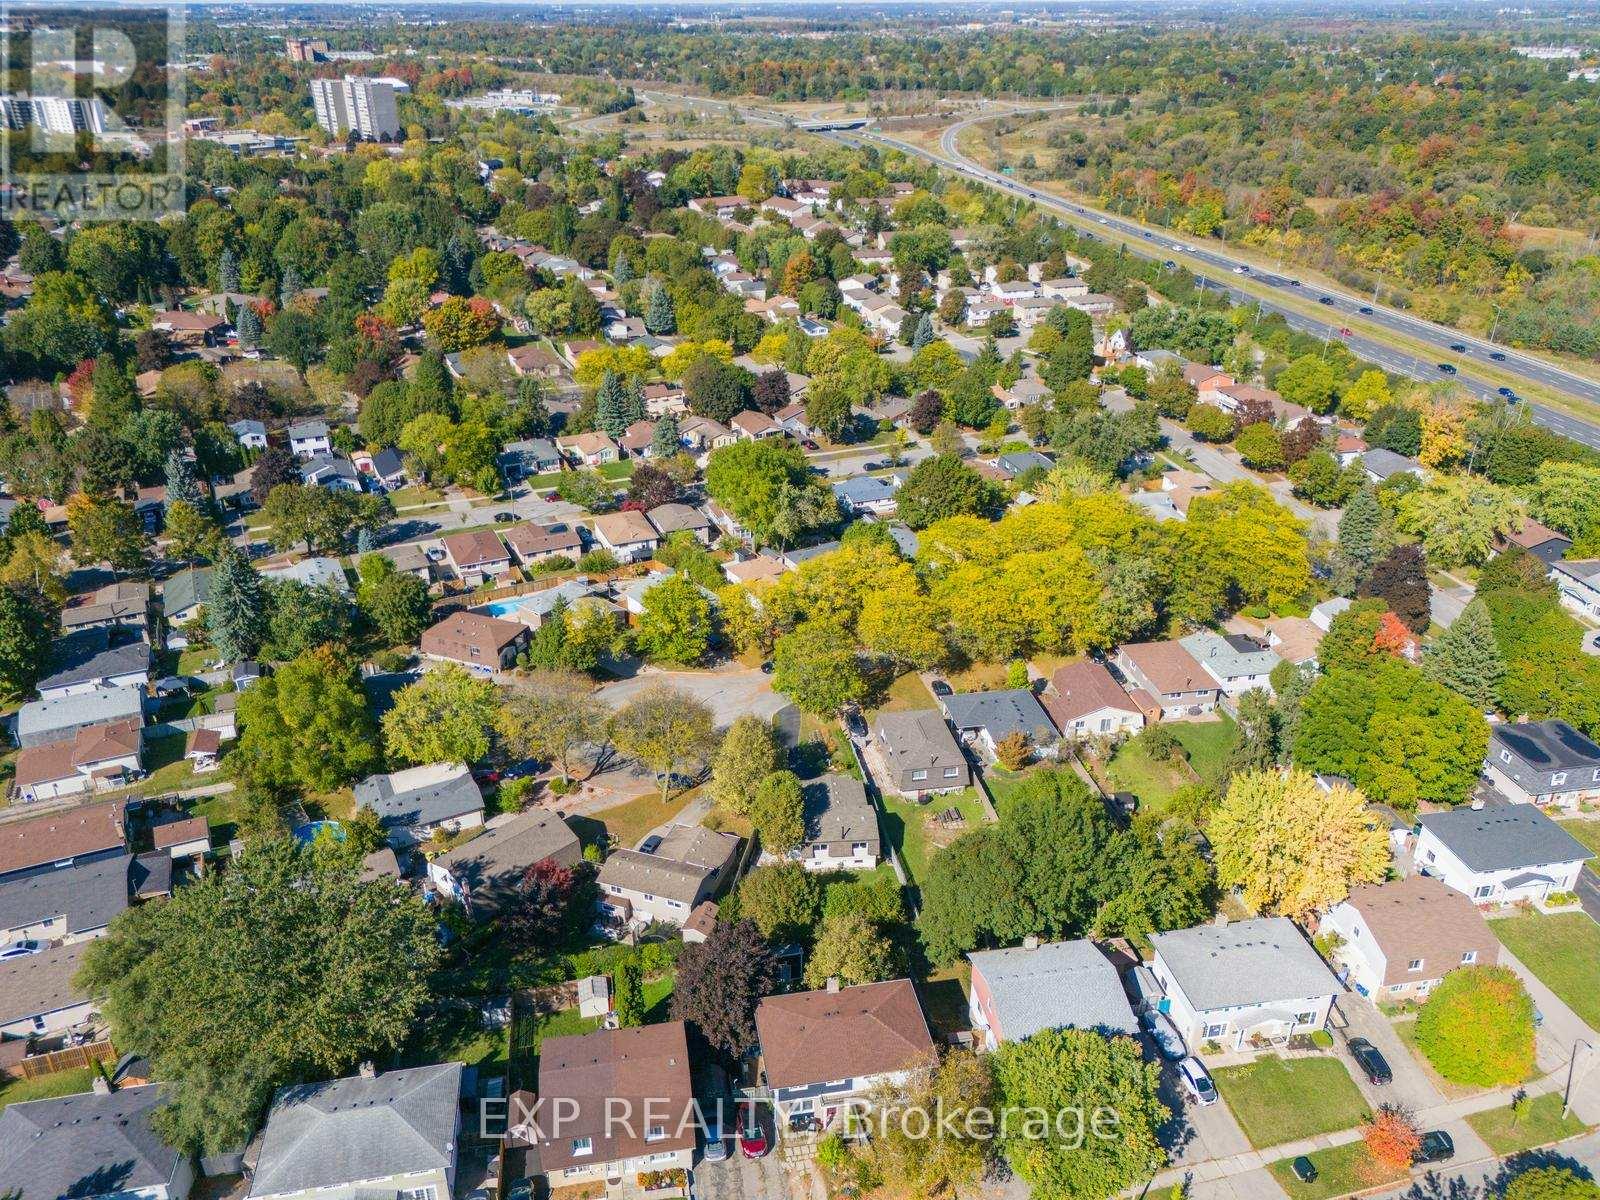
36	1065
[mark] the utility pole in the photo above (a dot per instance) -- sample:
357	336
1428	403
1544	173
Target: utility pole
1579	1050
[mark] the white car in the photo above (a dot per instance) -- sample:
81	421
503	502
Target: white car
20	949
1197	1082
1165	1034
1241	270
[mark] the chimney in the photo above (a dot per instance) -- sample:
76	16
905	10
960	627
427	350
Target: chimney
367	1070
1221	921
101	1085
1031	942
833	984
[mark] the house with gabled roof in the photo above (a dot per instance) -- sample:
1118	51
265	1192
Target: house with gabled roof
1024	990
94	1145
984	719
1499	855
414	803
1176	683
682	867
918	754
1085	701
841	826
1543	762
1238	663
477	555
1400	938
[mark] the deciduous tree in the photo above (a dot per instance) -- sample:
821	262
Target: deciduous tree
747	754
719	983
852	950
777	812
445	716
553	715
1476	1027
664	729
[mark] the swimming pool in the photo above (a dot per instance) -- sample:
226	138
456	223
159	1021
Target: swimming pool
307	833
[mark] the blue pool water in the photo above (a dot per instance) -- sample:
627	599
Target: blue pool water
505	608
307	833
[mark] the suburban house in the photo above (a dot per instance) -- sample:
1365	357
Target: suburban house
873	494
533	359
1401	938
1577	583
918	754
1539	540
89	660
532	543
125	603
752	425
179	835
1242	984
1236	662
822	1050
320	571
69	905
841	826
481	872
92	1145
251	435
1543	762
527	458
37	995
418	800
477	556
59	719
1381	464
1499	855
184	593
627	533
1177	684
58	840
330	471
1322	615
1085	701
984	719
665	882
104	755
386	467
1019	992
681	518
394	1134
703	435
585	1081
409	559
188	328
590	449
481	643
1294	639
308	438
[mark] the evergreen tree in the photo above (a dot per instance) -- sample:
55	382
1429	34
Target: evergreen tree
623	271
633	401
532	415
291	286
456	267
227	272
666	442
1467	659
611	405
181	483
365	542
659	315
248	325
924	332
1363	533
236	609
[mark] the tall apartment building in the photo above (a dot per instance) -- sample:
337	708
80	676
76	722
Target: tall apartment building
54	114
306	50
360	103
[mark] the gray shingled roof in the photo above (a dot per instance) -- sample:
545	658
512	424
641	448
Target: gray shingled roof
1548	745
1015	710
1260	961
1500	839
1053	987
918	738
186	589
83	1145
837	810
46	721
348	1130
434	801
87	894
40	983
87	654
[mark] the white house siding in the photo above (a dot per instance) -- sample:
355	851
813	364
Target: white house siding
1490	887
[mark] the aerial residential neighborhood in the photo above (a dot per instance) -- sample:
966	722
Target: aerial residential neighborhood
619	604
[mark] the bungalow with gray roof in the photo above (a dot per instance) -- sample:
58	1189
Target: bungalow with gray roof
1381	465
482	872
94	1145
984	719
38	996
1022	991
45	722
529	457
89	660
1544	762
868	494
70	904
841	826
413	803
1238	663
917	755
682	867
184	593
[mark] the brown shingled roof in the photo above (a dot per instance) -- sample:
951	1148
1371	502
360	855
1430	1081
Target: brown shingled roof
1420	917
56	836
1080	688
813	1037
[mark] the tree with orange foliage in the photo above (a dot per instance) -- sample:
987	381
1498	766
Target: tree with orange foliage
1392	1137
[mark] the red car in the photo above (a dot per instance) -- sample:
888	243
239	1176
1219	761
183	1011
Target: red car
1343	332
752	1137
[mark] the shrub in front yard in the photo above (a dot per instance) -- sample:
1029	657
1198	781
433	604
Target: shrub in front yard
1392	1138
1477	1027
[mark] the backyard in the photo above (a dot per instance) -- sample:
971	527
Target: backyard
1541	1124
1587	832
1277	1100
1563	951
1206	745
62	1083
917	831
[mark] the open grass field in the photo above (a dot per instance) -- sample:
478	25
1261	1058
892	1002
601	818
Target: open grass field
1563	951
1277	1100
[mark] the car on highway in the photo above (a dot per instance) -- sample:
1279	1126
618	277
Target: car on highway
1103	221
1447	368
1241	270
1294	283
1344	331
1506	392
1197	1082
1325	300
1458	347
1164	1034
1497	356
1371	1061
20	949
1304	1169
1170	265
1365	310
1436	1146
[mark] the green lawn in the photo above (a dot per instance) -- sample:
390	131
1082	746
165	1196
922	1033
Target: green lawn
222	813
907	692
1278	1100
1208	744
1131	769
62	1083
1563	951
1539	1126
912	830
1587	832
618	470
625	824
1340	1170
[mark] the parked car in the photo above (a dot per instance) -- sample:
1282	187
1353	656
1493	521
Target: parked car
855	723
1197	1082
1165	1034
1304	1169
20	949
805	1123
941	688
504	518
1372	1063
651	844
1437	1146
752	1137
716	1147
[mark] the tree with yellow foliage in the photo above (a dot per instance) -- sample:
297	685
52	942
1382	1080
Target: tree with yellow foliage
1292	848
1444	434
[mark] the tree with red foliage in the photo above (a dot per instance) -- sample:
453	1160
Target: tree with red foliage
1253	411
651	486
537	911
1300	440
771	391
1400	579
925	412
720	981
1392	1138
